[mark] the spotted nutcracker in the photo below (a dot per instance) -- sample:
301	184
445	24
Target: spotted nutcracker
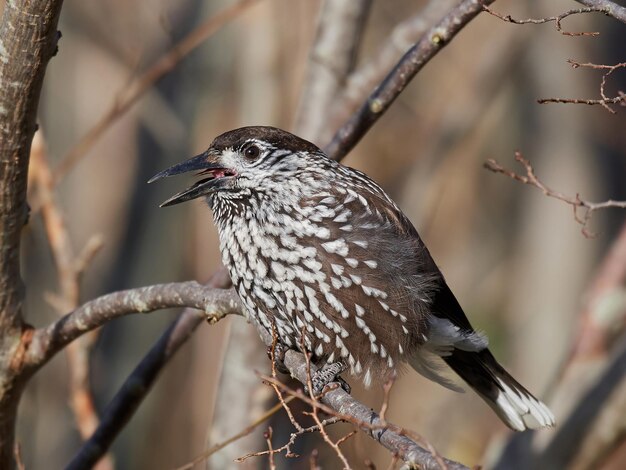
319	250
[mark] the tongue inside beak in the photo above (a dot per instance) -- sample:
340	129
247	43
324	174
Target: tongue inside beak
212	171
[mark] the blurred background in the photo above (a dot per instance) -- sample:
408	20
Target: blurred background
516	259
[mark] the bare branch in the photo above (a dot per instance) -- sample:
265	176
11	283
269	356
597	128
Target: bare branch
607	7
605	101
48	341
576	202
28	39
140	381
336	402
556	19
332	58
367	76
128	97
216	303
411	63
206	454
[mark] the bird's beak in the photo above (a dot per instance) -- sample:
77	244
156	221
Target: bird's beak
207	164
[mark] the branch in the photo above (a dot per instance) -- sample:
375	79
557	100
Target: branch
606	100
46	342
28	39
556	19
412	62
607	7
340	404
367	76
130	395
215	303
332	58
144	82
140	381
337	402
576	202
26	46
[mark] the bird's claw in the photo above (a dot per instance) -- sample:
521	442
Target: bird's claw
327	375
277	352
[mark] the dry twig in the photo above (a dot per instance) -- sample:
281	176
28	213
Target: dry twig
556	19
576	202
605	101
270	450
341	406
322	430
219	446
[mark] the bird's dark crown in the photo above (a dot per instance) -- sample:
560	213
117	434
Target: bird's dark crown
278	138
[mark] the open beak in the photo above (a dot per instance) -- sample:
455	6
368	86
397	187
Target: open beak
206	165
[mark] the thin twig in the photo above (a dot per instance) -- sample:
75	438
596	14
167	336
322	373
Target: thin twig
386	392
343	407
286	448
556	19
270	450
393	462
322	430
605	100
576	202
279	394
144	82
219	446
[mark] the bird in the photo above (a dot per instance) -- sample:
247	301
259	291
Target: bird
325	260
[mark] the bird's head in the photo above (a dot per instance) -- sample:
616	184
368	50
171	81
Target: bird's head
243	159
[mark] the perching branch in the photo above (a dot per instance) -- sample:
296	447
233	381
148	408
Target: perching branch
215	303
411	63
576	202
347	408
46	342
139	383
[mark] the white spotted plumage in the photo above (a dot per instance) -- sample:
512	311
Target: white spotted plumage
322	254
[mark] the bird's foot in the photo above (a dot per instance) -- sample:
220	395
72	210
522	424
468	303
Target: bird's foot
326	375
277	352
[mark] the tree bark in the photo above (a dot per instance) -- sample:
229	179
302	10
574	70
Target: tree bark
28	38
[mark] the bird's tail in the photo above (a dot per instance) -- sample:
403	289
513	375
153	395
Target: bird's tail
515	405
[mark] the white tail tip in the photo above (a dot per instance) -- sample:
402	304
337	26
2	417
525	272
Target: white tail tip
520	410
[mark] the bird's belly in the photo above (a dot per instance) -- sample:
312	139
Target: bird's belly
296	292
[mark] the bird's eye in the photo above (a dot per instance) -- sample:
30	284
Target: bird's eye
252	152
